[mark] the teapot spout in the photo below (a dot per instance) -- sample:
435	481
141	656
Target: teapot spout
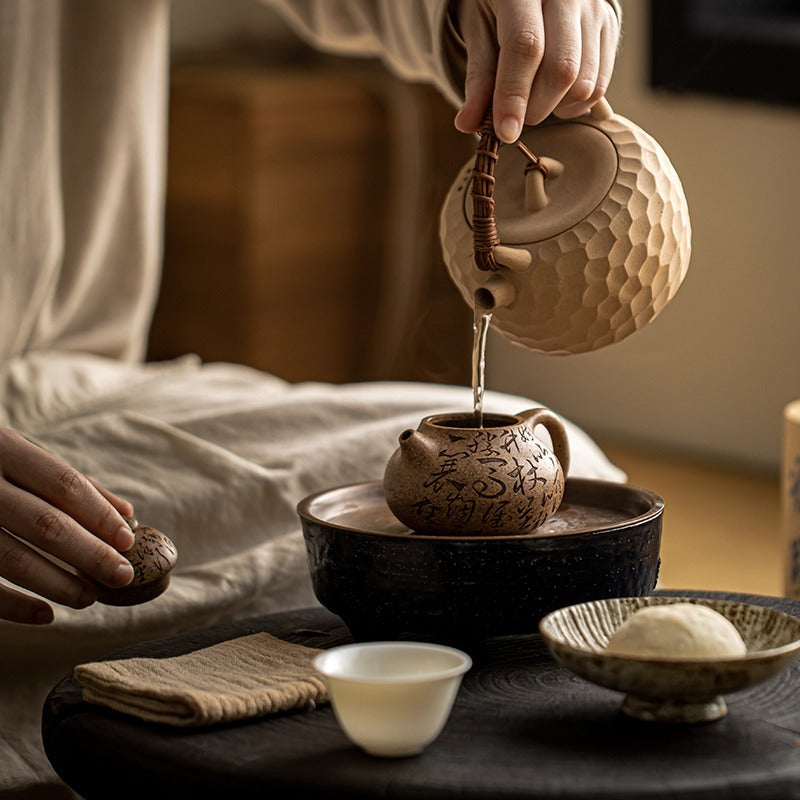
414	452
412	443
497	292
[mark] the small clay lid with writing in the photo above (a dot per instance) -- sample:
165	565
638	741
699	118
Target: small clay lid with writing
152	556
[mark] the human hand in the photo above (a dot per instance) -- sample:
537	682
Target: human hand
531	58
47	504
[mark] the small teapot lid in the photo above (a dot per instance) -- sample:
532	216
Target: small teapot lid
580	165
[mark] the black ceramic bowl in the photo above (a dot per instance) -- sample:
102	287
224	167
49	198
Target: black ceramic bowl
387	582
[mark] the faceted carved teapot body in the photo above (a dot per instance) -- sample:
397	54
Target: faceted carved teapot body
590	238
449	478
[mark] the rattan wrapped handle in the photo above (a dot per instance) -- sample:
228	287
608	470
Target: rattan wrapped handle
484	227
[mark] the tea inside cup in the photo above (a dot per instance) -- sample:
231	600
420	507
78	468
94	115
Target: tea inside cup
392	699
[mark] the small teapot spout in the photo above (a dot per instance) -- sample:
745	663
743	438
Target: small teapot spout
414	453
408	435
497	292
412	443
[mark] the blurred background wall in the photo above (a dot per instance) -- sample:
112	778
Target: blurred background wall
709	377
303	196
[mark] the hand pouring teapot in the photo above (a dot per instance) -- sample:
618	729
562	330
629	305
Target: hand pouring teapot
575	238
450	478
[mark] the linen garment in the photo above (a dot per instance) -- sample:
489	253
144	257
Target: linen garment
215	455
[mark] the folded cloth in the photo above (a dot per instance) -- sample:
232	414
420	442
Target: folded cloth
246	677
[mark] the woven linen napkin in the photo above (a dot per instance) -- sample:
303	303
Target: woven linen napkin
238	679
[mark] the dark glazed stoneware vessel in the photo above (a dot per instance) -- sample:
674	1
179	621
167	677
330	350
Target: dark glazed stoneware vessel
387	582
450	477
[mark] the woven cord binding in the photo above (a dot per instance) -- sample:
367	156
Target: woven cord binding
484	227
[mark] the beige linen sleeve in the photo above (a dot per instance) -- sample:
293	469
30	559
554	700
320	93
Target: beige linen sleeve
417	39
412	37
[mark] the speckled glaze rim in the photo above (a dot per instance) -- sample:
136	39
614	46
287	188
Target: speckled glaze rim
656	509
550	636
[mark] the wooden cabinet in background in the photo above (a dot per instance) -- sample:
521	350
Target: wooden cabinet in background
302	216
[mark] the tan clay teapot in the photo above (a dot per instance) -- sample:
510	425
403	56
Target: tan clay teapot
450	478
574	238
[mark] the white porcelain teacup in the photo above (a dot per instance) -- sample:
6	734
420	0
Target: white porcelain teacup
392	699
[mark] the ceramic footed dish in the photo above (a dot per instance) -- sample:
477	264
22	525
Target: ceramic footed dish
680	690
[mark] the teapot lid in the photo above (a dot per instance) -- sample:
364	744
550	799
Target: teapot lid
587	162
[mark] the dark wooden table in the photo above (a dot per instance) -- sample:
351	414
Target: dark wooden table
522	727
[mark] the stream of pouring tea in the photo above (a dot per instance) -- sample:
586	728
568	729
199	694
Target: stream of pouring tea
480	328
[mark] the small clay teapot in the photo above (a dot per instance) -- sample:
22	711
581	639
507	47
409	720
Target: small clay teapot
575	238
451	478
